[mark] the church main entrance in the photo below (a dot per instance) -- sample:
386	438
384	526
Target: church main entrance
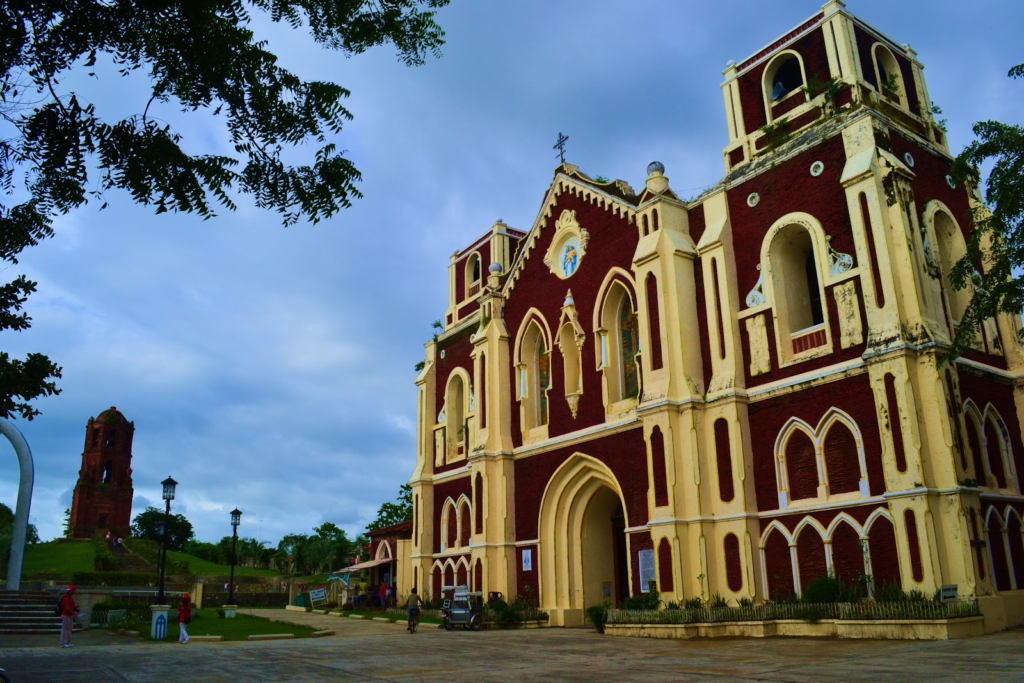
582	554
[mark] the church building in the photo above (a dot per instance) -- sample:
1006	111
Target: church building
737	394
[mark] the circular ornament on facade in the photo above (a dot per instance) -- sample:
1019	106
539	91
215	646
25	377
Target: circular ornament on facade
907	157
817	168
753	198
569	256
949	181
442	354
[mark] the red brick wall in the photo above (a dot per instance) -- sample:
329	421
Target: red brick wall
810	556
624	453
801	467
733	567
665	579
702	321
695	219
852	395
867	64
637	542
723	454
612	243
885	559
778	566
524	579
847	557
478	576
478	504
841	462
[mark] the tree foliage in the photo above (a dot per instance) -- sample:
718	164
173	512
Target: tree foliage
147	525
58	151
997	241
396	512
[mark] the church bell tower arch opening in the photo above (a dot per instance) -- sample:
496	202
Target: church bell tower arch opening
582	553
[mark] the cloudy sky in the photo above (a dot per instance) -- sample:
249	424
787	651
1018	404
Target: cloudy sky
272	368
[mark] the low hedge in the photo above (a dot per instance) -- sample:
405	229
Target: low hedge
114	579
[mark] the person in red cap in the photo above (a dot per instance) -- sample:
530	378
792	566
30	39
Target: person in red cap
184	617
68	610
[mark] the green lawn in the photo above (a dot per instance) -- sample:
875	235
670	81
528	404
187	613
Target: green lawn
206	622
59	558
206	568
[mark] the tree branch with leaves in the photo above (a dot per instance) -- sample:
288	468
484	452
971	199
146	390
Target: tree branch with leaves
58	152
991	268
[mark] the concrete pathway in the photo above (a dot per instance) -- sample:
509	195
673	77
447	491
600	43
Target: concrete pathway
368	651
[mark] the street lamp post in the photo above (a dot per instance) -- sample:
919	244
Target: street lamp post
168	485
236	519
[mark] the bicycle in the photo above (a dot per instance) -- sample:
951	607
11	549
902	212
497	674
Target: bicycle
3	677
414	620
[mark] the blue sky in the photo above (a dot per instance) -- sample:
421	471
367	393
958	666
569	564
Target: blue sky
272	368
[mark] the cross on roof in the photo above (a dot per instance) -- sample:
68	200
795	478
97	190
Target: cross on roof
560	146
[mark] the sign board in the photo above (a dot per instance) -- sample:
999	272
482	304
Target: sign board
527	559
947	593
318	595
646	569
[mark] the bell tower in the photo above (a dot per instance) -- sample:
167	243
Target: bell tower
103	494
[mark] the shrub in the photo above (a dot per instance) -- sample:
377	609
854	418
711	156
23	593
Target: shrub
651	600
824	589
718	602
916	596
694	603
113	579
598	615
746	603
672	605
890	591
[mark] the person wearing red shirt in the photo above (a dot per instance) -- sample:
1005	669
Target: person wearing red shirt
68	610
184	617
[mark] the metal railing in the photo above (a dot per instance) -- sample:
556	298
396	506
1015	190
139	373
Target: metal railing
798	610
100	618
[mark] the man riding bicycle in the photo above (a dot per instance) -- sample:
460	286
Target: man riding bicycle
414	610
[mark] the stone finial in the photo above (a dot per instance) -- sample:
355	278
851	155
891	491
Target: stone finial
656	180
494	268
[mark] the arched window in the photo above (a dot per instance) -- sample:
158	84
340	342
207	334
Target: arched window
666	582
478	503
618	343
542	380
472	275
95	437
842	461
723	454
890	79
810	556
797	292
464	521
654	321
778	566
995	449
783	85
733	563
629	346
534	369
455	417
951	248
111	438
108	472
801	466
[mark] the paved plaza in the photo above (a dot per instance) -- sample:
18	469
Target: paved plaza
367	651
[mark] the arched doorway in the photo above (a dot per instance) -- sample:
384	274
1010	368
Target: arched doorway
582	553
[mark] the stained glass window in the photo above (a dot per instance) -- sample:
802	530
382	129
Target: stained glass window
629	343
543	380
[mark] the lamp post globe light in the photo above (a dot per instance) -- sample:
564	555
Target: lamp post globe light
236	519
169	485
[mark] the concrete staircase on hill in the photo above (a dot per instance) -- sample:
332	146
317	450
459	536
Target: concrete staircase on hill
29	612
127	561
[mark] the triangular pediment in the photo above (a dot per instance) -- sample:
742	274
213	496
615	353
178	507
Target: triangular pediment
615	197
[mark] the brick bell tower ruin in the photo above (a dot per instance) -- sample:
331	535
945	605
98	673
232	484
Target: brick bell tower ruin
103	494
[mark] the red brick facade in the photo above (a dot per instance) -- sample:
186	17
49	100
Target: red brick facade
103	495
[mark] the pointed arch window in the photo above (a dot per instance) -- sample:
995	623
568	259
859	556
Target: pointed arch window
629	347
534	379
796	268
542	376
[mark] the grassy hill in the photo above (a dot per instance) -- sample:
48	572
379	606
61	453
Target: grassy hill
64	557
205	568
59	557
